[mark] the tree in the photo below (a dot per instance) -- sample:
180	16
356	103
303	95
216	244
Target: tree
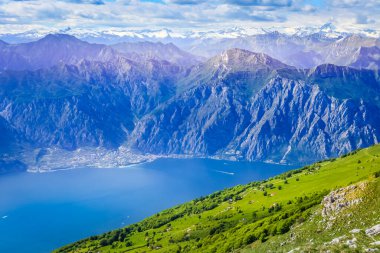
103	242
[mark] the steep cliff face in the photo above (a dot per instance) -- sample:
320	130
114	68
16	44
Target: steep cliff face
7	136
285	121
90	104
292	120
9	142
282	118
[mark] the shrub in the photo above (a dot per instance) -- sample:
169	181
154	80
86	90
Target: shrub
103	242
249	239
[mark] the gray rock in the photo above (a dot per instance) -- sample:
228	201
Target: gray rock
355	231
352	243
370	250
375	230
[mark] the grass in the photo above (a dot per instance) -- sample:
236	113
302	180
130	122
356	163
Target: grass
246	218
315	235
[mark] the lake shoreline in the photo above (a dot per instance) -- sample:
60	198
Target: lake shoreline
54	159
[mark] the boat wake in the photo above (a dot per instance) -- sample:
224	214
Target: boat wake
225	172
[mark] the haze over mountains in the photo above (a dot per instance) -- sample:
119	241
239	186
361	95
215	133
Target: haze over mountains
271	97
304	47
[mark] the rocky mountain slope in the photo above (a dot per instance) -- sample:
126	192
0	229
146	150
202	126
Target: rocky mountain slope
367	57
91	103
329	206
51	50
302	51
55	49
164	52
236	105
262	109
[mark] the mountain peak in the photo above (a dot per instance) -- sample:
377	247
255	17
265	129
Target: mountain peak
328	27
60	37
243	58
234	53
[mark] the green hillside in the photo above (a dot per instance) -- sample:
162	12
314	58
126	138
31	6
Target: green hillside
281	214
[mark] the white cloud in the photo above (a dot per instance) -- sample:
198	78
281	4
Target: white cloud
277	3
362	19
184	14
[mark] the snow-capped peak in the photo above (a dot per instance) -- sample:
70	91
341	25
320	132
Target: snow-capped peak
327	30
116	35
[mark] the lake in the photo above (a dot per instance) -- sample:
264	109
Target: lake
42	211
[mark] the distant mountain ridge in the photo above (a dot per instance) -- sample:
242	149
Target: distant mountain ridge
56	49
150	50
303	52
67	94
112	36
304	47
49	51
239	58
367	57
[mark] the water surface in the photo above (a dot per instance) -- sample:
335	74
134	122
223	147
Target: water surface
42	211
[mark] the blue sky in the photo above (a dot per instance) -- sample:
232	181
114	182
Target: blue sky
199	15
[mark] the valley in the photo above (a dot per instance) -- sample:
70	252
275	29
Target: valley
213	139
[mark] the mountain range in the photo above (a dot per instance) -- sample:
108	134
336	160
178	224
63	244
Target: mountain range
303	47
63	93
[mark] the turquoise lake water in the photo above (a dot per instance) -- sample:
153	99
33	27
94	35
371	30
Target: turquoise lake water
42	211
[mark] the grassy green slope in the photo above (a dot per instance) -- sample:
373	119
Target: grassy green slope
256	217
343	231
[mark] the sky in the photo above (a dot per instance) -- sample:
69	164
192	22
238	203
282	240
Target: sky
184	15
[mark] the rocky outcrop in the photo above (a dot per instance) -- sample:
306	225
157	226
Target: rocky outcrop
342	199
375	230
